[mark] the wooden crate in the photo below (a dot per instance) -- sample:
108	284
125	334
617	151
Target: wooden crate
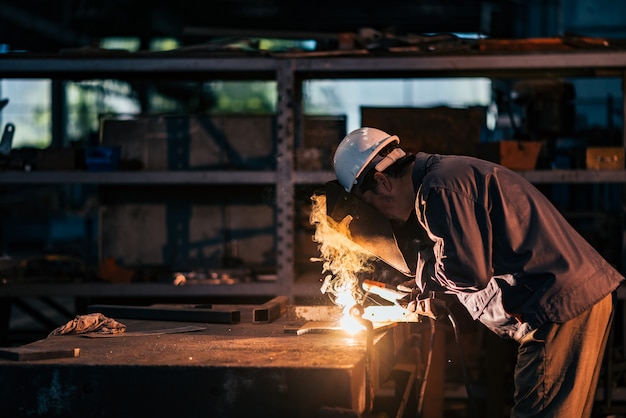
200	235
182	142
440	130
516	155
605	158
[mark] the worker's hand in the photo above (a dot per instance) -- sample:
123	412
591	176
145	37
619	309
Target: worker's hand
410	287
430	307
421	307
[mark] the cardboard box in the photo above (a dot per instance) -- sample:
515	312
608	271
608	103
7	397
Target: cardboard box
516	155
183	142
187	236
605	158
439	130
59	159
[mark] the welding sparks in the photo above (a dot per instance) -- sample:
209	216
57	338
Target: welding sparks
342	259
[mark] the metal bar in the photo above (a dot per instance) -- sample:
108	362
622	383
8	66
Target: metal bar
271	310
599	62
85	66
285	202
262	177
534	176
139	177
168	314
58	110
461	63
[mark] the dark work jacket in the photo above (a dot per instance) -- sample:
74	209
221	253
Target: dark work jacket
502	248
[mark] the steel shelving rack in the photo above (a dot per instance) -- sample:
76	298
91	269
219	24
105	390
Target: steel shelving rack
289	72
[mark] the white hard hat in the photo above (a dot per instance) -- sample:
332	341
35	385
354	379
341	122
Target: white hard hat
356	151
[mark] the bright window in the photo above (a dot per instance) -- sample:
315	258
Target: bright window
346	97
28	110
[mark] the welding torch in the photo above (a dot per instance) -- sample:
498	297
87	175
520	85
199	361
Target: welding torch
421	304
380	289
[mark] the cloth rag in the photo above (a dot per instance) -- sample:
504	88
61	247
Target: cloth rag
93	322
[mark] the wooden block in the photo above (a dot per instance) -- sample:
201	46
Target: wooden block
27	354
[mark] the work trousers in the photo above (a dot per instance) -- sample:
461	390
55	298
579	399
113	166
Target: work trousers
558	365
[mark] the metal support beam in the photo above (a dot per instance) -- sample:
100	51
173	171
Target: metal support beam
285	207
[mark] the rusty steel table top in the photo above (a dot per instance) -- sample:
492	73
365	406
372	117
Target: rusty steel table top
182	369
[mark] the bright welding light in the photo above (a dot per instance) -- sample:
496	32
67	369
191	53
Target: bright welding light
343	258
349	324
340	255
395	313
345	299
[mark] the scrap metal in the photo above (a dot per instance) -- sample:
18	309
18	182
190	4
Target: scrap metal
221	316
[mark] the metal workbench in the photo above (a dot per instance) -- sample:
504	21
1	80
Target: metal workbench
222	370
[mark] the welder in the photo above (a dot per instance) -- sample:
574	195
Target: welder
510	257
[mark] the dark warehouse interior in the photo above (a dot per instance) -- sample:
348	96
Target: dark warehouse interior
163	166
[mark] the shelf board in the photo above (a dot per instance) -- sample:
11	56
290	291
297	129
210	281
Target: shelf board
597	62
575	176
261	177
534	176
520	64
138	177
98	66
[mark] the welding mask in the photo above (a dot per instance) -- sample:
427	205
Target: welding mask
367	227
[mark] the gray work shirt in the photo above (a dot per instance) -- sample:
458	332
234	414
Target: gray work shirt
502	248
